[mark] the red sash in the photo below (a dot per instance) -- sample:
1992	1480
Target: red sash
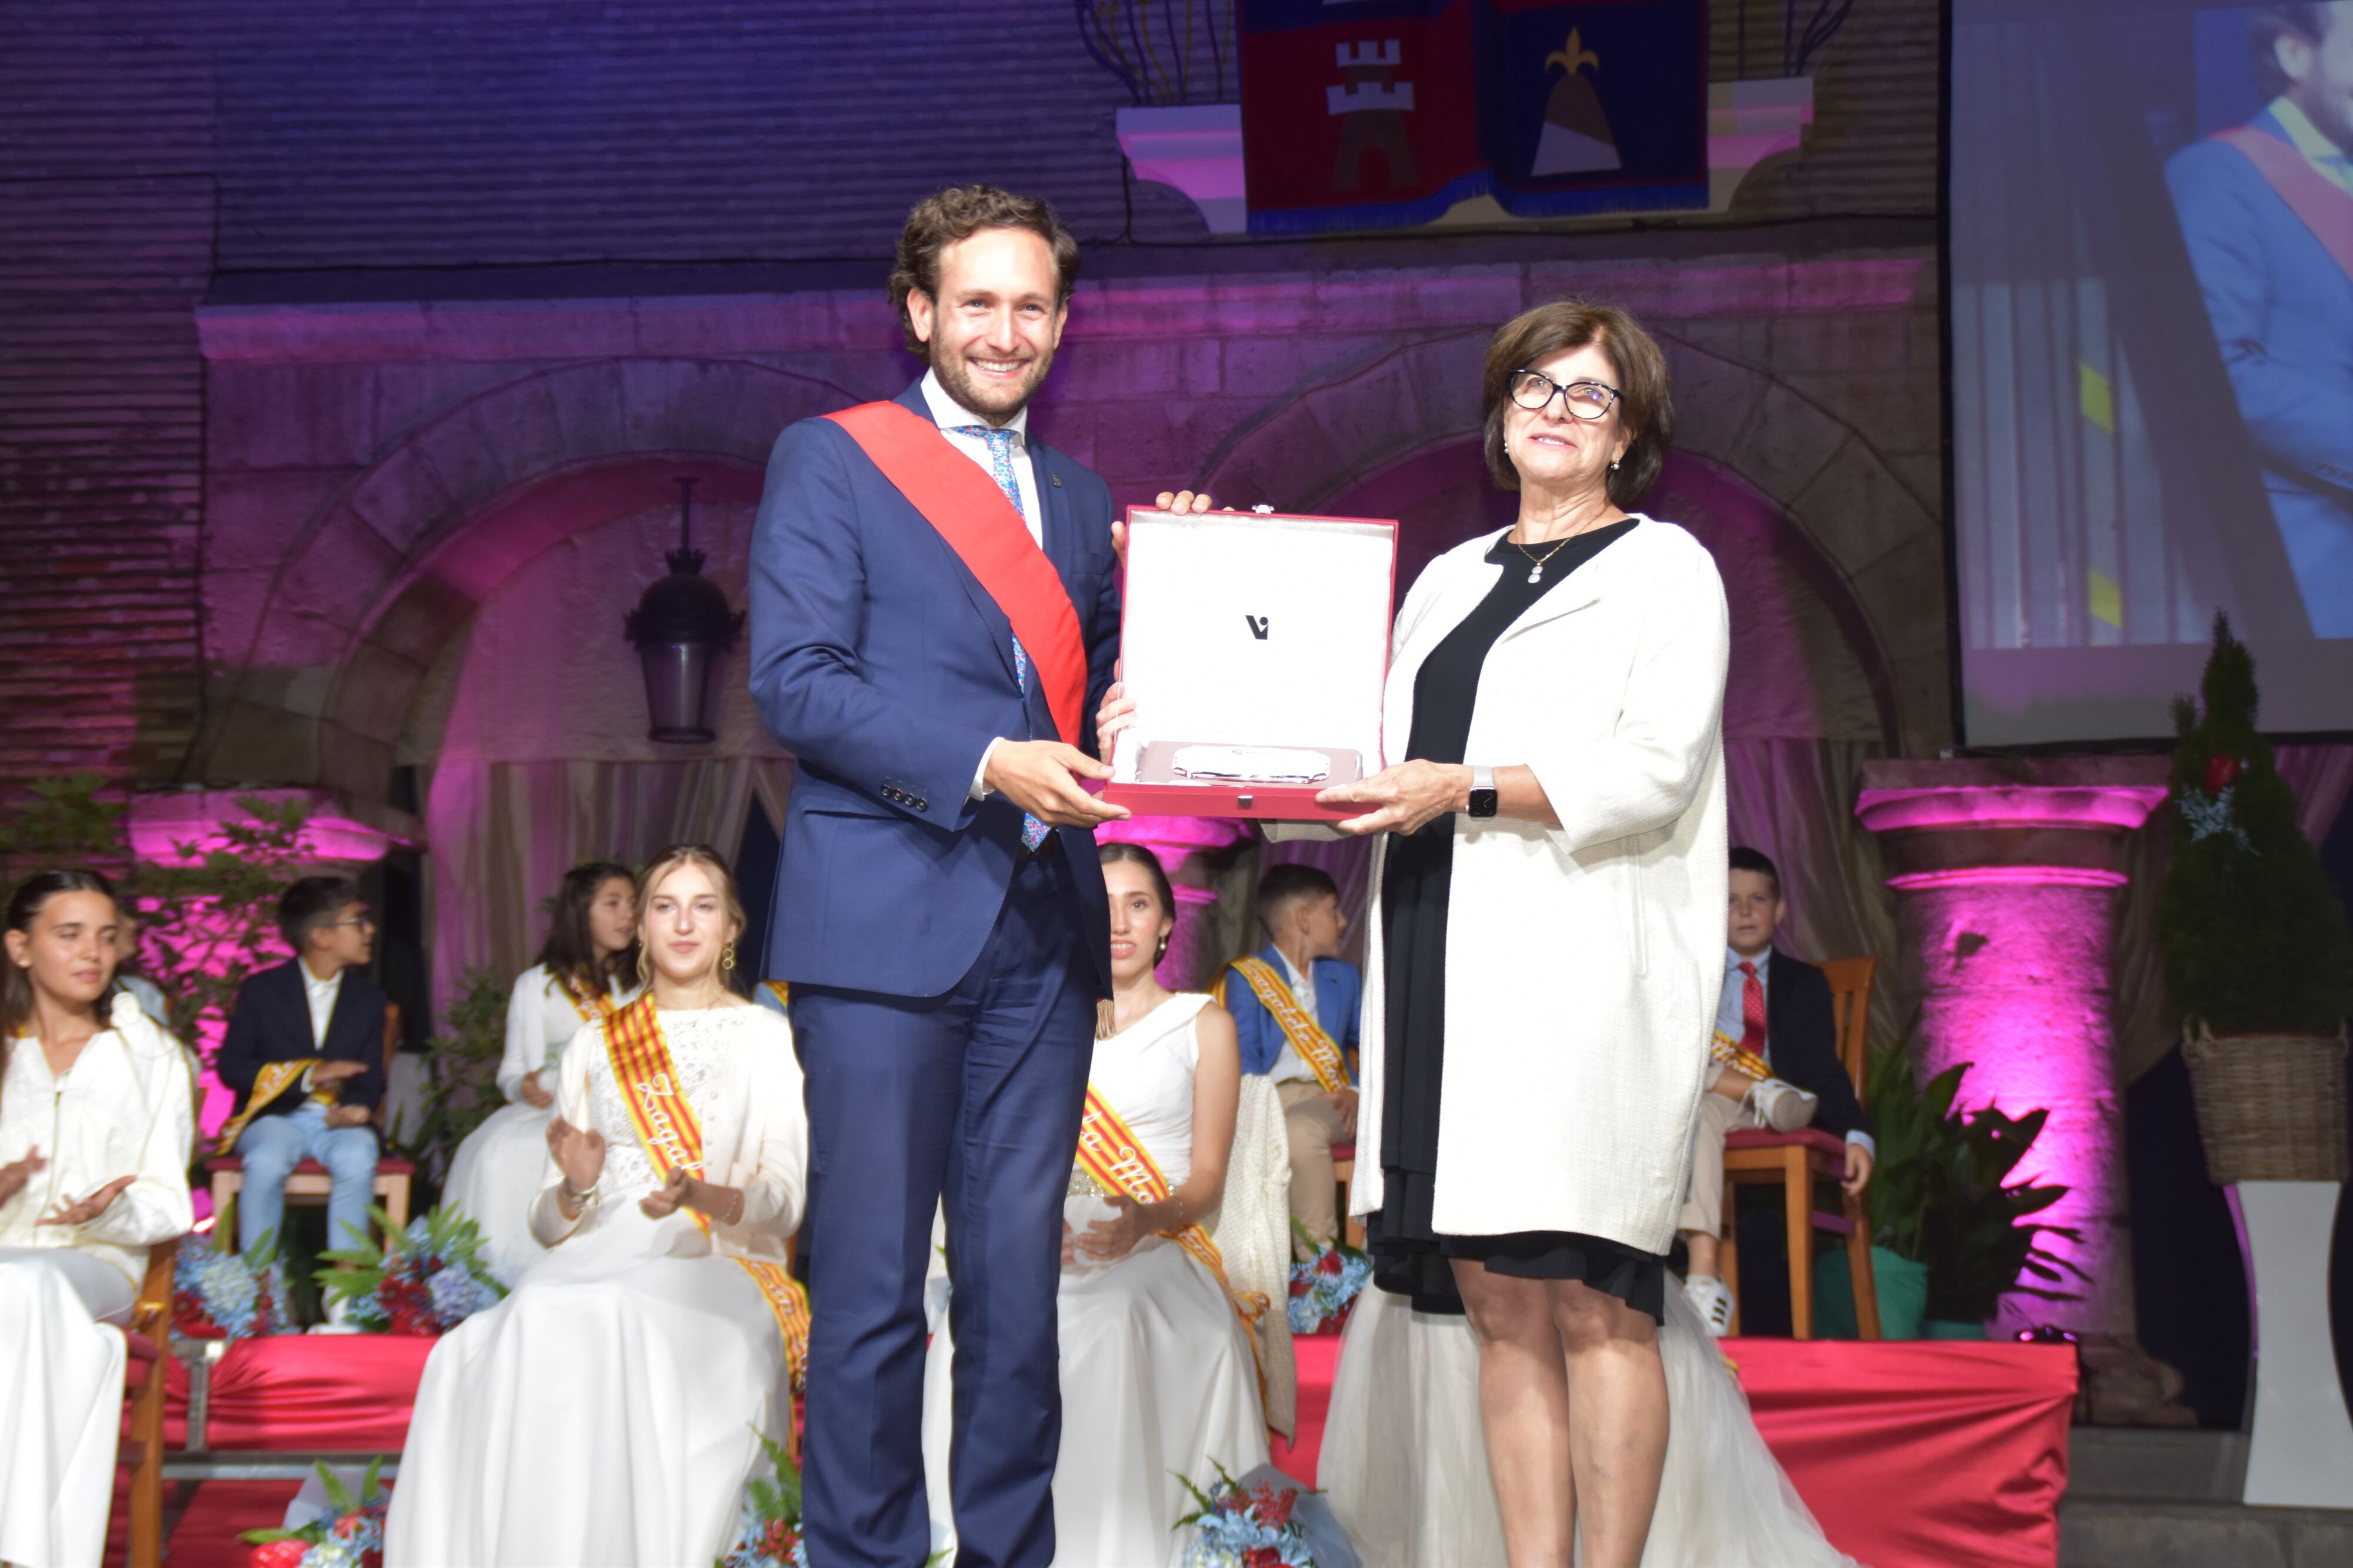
2325	209
990	537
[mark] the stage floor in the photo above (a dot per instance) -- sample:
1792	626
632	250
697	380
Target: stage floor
1915	1454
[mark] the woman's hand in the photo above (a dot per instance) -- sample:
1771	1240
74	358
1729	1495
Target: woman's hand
91	1208
17	1173
1113	1239
580	1153
532	1095
669	1197
1069	1256
1407	797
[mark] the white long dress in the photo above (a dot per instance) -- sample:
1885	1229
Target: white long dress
606	1412
1157	1375
1405	1464
122	1110
501	1166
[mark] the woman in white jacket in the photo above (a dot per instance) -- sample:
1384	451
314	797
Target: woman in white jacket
586	970
95	1136
1545	939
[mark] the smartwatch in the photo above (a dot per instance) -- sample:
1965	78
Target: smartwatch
1483	792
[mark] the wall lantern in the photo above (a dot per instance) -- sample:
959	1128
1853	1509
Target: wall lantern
681	628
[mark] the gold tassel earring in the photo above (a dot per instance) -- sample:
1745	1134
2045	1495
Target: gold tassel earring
1106	1018
727	956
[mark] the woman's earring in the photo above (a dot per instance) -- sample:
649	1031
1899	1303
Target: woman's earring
727	956
1161	952
1613	466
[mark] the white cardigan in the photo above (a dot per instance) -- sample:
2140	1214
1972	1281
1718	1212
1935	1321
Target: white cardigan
1583	960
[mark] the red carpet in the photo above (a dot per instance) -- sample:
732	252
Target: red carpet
1918	1454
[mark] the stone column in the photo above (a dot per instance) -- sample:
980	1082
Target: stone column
1183	844
2005	873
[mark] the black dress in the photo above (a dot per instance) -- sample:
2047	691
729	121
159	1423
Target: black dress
1409	1256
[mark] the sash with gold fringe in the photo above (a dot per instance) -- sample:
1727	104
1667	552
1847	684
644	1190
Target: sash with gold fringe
591	1006
274	1079
1111	1153
673	1136
1306	1036
1725	1051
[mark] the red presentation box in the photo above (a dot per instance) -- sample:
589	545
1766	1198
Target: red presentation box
1252	632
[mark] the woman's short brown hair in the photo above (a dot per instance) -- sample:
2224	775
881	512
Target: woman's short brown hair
1644	408
942	219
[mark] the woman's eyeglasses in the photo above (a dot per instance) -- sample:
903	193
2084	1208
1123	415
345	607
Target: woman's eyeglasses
1583	399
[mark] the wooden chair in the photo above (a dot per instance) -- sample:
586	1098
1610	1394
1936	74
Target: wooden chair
1344	1171
147	1335
310	1182
1796	1161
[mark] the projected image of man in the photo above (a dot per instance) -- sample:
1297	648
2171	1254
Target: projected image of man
2267	209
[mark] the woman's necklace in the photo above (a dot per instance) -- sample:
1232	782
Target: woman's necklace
1535	573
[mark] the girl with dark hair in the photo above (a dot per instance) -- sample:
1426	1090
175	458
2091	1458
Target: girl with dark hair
1156	1310
95	1136
587	968
609	1410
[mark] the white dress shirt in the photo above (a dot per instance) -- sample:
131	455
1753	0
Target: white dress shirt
322	994
950	416
1290	1067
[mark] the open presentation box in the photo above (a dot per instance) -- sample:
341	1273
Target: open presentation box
1256	631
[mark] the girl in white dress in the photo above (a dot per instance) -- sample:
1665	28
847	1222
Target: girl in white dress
95	1136
585	970
1158	1378
608	1412
1405	1465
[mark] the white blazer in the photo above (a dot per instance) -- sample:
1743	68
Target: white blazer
1583	960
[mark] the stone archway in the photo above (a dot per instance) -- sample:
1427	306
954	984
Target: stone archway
1876	545
328	656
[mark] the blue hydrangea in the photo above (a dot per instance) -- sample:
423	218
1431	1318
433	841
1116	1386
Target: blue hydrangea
458	1295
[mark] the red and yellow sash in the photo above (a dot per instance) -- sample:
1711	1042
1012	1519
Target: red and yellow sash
1725	1051
1306	1036
990	537
781	990
673	1136
591	1006
1111	1153
274	1079
2322	206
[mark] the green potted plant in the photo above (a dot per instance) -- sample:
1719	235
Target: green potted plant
2256	951
1952	1232
461	1065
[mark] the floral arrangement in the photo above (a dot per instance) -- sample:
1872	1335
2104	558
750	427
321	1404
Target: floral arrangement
1240	1527
353	1537
1325	1289
425	1280
219	1293
768	1526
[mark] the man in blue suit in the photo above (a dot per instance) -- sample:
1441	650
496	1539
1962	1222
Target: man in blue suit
934	606
1295	1000
2267	209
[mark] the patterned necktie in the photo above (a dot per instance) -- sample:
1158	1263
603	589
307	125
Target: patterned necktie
1752	1012
1000	469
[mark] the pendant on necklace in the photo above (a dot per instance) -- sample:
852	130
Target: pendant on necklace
1535	574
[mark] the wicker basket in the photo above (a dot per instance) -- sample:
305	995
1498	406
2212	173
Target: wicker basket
2270	1108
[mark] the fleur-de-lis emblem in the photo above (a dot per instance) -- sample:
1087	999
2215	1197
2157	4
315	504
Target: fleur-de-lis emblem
1572	55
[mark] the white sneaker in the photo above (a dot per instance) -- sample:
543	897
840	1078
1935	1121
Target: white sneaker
1783	1107
339	1320
1712	1298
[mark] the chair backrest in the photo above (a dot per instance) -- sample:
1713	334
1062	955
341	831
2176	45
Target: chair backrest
391	1049
1851	981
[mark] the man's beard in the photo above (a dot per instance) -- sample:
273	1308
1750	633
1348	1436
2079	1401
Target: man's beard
957	380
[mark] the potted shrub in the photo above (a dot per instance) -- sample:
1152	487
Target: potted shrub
1952	1232
2257	955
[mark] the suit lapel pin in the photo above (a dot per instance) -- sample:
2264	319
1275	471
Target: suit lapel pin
1057	479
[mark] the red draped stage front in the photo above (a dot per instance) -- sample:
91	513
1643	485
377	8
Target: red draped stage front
1918	1454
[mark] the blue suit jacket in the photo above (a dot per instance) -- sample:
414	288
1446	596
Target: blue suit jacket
881	663
1338	988
2282	310
272	1022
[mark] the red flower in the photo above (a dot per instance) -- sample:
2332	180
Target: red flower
1233	1503
1261	1557
2220	773
1330	1263
1300	1287
276	1554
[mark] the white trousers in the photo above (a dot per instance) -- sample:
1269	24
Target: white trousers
61	1361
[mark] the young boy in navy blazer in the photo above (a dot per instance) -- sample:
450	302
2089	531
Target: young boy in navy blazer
1776	1011
304	1052
1302	974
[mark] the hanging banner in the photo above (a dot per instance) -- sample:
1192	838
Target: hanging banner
1385	114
